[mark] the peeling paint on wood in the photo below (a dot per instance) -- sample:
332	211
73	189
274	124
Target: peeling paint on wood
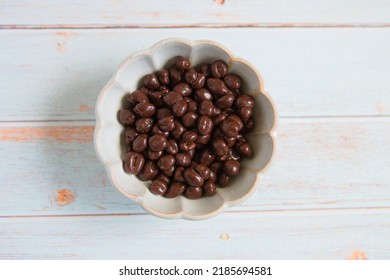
381	107
357	255
61	39
85	108
64	197
224	236
66	134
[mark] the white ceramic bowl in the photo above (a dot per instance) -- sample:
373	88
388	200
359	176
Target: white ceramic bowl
109	131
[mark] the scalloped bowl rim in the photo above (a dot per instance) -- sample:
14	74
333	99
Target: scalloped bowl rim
108	167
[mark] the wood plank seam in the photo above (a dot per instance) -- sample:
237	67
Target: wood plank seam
344	210
200	25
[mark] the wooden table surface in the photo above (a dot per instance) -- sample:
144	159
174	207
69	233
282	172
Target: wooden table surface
325	63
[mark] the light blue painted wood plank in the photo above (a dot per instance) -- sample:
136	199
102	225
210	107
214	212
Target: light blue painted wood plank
47	74
276	235
51	169
171	12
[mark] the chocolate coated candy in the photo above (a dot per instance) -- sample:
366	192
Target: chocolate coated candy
153	155
229	127
145	110
203	171
224	157
203	94
156	130
172	97
140	143
199	82
179	174
166	162
248	126
232	81
205	125
183	88
244	100
144	125
203	139
155	98
146	90
218	69
223	180
217	87
237	119
126	117
183	159
163	76
230	141
218	119
231	167
205	69
178	131
194	192
187	145
190	76
175	189
245	150
137	96
189	119
206	156
189	136
163	177
149	171
169	171
172	147
180	108
175	75
191	153
209	188
151	81
244	113
182	63
166	124
158	187
157	142
193	178
134	162
192	105
163	112
220	147
213	177
216	166
225	101
207	108
130	136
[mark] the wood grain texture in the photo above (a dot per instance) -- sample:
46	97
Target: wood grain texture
201	12
319	164
57	75
279	235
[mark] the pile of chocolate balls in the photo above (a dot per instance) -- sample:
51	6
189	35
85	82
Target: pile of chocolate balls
185	129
